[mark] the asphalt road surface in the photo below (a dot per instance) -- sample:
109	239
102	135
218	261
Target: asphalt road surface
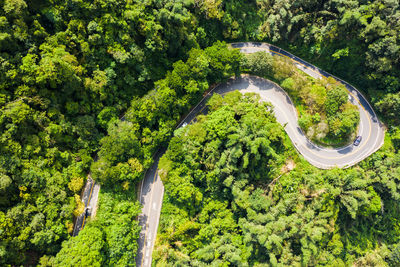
370	129
89	199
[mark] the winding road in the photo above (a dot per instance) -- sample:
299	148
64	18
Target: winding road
89	197
371	130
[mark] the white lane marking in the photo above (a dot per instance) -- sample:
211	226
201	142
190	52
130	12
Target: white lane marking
368	152
318	74
141	189
149	209
193	110
379	133
154	206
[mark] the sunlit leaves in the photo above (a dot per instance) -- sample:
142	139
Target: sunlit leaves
85	249
231	145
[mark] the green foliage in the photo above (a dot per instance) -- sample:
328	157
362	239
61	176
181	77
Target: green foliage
390	106
394	257
396	139
84	250
336	97
106	115
111	239
288	84
119	146
225	204
305	121
210	163
127	150
366	55
259	63
327	117
70	69
224	63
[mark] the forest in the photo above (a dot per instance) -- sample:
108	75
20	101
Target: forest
98	86
238	194
326	115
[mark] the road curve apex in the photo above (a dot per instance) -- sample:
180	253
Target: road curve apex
371	129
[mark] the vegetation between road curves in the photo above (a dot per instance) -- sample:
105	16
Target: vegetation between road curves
69	69
326	115
236	192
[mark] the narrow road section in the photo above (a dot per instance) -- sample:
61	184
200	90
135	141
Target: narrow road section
151	196
370	129
89	198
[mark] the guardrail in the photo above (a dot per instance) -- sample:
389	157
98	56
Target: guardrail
276	49
352	90
80	220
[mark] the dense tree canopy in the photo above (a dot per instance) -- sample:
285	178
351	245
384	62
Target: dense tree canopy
149	122
326	115
237	194
69	70
110	240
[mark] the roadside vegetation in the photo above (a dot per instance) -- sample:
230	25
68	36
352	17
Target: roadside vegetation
237	193
109	240
126	152
326	115
71	69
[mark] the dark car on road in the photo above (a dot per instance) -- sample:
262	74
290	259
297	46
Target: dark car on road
88	211
357	141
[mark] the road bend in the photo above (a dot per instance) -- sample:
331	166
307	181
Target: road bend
370	129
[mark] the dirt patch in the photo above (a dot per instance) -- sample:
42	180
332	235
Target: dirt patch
289	165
